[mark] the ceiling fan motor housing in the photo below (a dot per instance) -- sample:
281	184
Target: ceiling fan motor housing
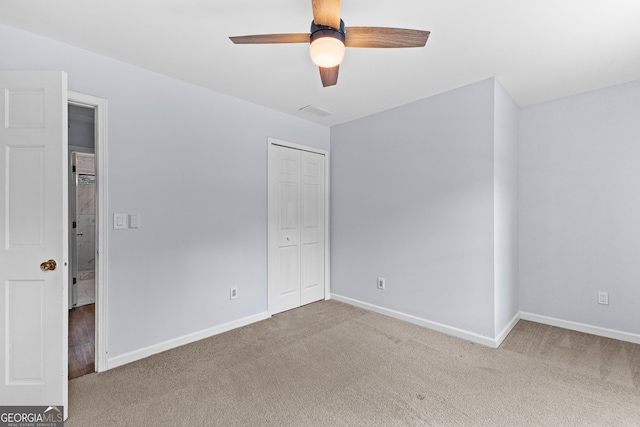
319	31
327	45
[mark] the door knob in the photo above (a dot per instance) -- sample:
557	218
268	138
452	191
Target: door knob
79	233
48	265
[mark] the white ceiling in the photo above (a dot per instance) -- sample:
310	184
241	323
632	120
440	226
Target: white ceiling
539	50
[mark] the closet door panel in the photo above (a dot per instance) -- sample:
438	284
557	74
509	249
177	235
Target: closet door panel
313	233
284	229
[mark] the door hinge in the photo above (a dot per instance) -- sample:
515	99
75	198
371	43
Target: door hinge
74	281
74	225
73	168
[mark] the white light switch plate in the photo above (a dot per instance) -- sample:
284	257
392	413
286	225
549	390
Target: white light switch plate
119	221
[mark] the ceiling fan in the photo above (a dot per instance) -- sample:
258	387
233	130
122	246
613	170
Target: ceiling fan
329	37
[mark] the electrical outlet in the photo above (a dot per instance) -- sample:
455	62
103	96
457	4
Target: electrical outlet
603	298
381	283
133	221
233	292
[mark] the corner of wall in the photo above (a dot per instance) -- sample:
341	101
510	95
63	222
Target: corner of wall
506	262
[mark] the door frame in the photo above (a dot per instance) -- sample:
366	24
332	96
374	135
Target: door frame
99	105
327	272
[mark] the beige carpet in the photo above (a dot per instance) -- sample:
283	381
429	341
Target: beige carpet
331	364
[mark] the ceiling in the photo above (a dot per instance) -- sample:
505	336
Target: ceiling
539	50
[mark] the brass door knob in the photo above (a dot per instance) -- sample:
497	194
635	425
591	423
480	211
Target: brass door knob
49	265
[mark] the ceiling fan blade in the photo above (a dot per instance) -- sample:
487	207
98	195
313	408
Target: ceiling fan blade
272	38
326	12
329	76
384	37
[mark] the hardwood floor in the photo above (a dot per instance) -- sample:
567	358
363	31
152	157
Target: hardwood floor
82	332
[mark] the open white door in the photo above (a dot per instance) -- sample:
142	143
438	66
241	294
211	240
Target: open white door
33	231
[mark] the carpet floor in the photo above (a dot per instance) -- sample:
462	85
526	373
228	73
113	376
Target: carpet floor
332	364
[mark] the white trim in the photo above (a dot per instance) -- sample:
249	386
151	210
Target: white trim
494	343
100	107
293	145
507	330
327	198
186	339
449	330
327	229
581	327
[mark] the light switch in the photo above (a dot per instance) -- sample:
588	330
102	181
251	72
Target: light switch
133	220
119	221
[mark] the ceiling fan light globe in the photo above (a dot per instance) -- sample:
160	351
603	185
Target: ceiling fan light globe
327	52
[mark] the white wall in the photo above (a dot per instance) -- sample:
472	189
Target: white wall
412	201
580	208
193	164
507	304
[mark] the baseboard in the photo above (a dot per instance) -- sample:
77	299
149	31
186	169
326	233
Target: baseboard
581	327
186	339
502	335
448	330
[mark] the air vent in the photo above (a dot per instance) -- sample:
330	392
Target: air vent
310	109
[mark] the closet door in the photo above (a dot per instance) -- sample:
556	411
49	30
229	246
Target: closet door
284	229
312	231
296	228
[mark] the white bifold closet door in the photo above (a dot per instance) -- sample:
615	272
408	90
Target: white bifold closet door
296	228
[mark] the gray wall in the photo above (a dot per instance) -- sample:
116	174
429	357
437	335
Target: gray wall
580	208
193	164
81	134
412	201
423	195
507	303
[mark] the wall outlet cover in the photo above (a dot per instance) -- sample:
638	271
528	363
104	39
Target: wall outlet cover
603	298
133	221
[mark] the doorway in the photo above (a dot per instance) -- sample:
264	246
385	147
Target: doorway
82	240
34	186
87	216
298	238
